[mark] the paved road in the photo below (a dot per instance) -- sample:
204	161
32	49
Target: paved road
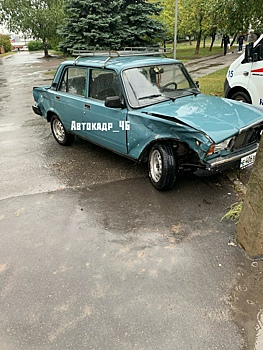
207	65
92	257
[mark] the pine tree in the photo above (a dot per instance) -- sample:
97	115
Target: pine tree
139	23
108	24
90	24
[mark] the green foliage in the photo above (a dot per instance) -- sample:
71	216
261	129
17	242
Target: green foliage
203	18
35	45
110	24
35	18
5	42
167	16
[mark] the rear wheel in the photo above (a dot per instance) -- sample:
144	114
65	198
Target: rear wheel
162	167
59	132
241	96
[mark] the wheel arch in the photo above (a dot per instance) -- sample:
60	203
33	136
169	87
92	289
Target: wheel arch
237	89
50	115
174	143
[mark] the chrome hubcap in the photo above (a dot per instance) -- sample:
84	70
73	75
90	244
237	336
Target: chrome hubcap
156	166
59	130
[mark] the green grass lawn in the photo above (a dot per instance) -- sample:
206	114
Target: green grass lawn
213	84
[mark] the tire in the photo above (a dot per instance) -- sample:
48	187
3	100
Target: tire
162	167
59	132
242	97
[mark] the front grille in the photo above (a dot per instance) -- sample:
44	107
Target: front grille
248	136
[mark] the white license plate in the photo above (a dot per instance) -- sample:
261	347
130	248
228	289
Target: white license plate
248	160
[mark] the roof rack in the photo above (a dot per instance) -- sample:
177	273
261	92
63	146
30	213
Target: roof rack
126	52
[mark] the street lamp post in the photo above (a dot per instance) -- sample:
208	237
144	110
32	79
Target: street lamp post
175	27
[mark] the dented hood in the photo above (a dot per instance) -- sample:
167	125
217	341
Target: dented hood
219	118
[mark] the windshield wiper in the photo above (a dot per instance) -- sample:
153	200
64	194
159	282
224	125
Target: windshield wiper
150	96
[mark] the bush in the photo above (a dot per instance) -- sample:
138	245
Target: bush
35	45
5	42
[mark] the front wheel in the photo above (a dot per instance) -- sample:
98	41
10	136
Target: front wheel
242	97
162	167
59	132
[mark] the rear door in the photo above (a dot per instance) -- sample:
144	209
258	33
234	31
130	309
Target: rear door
70	98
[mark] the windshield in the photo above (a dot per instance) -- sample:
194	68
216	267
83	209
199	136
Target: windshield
153	84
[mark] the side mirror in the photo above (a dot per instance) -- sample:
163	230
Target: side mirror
114	102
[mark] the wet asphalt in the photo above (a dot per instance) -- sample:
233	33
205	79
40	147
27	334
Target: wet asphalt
93	257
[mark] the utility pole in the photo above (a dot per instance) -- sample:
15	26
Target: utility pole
175	26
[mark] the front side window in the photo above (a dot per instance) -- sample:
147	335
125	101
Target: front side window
74	81
103	83
152	84
259	50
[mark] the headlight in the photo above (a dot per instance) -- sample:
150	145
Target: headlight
222	145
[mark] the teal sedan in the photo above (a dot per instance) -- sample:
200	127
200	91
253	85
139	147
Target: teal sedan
146	107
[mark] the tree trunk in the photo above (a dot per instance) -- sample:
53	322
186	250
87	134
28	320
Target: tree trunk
45	47
213	36
198	42
197	48
204	42
234	39
250	226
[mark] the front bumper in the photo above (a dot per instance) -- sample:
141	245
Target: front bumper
220	164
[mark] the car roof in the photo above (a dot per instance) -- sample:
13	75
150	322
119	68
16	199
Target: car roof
118	63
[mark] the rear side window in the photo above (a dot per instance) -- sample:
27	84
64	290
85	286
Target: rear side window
74	81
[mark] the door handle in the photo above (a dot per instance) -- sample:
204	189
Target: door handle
57	97
87	106
245	73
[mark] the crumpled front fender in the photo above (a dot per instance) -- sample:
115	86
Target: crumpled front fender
145	130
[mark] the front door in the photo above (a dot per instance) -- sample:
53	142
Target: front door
105	126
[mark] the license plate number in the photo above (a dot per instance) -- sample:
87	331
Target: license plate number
248	160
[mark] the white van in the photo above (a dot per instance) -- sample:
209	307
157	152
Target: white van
244	80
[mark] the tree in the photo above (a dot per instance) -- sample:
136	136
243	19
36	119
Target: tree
110	25
140	23
250	226
193	19
203	18
35	18
90	24
167	16
5	42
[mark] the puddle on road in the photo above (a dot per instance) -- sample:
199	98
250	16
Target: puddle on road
22	58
